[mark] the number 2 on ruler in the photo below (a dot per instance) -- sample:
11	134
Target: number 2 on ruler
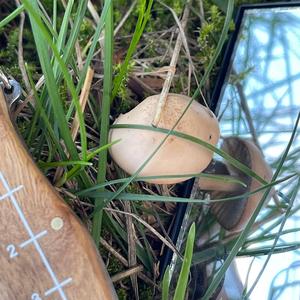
11	249
35	296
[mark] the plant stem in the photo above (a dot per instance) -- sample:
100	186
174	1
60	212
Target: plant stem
108	51
172	68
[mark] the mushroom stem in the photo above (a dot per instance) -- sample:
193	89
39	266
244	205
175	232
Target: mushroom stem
209	184
212	184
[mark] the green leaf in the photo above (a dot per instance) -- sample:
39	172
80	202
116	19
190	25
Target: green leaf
144	15
105	112
55	164
193	139
186	265
166	284
12	16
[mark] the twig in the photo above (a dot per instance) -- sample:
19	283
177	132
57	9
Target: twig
93	12
128	12
202	17
82	100
125	263
96	18
131	247
155	232
79	56
20	50
164	93
127	273
116	254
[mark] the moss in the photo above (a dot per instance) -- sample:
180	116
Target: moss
86	32
114	266
146	292
209	34
8	56
162	17
133	188
125	104
122	294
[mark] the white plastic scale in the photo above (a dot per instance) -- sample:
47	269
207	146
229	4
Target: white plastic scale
45	252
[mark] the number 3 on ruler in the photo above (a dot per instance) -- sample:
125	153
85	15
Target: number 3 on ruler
11	249
35	296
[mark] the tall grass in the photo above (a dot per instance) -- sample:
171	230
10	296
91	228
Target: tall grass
105	112
84	165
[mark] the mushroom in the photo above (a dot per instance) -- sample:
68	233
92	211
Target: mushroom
233	215
176	155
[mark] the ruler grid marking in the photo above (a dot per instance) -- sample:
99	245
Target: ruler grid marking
54	289
31	240
10	193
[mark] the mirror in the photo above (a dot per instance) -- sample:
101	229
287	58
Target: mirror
260	99
257	97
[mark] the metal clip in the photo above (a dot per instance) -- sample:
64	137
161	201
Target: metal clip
4	80
11	89
13	93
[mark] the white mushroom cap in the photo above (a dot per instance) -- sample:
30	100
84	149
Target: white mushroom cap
176	155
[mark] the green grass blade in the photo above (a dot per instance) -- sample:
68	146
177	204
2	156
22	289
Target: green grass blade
101	176
63	31
193	139
144	15
42	49
220	178
50	79
55	164
80	13
159	198
54	15
120	232
96	37
44	117
270	237
46	20
186	265
12	16
76	169
166	284
91	52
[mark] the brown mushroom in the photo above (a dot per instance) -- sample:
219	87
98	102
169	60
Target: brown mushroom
176	155
233	215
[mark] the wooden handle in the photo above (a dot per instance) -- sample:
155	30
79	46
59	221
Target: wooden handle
45	252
